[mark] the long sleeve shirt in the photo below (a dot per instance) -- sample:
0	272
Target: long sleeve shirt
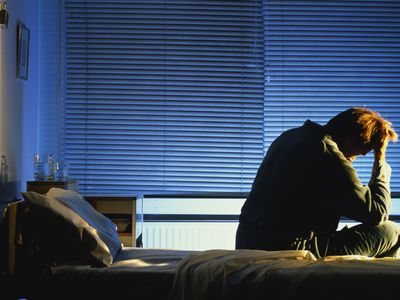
305	185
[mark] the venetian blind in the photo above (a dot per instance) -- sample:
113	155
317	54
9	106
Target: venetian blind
163	96
325	56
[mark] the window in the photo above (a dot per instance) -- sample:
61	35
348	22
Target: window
325	56
186	95
163	96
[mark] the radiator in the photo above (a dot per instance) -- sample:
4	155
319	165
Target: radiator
194	235
189	235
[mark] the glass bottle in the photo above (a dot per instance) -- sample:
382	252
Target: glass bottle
4	169
51	166
38	167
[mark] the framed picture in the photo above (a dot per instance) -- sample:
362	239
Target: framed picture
22	51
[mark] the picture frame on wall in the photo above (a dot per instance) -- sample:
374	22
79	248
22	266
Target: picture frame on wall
22	51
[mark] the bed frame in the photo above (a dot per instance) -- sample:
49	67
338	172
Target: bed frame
14	269
152	273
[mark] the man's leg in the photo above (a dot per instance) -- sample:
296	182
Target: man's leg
374	241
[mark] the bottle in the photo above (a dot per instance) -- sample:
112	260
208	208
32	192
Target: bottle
4	169
51	166
38	167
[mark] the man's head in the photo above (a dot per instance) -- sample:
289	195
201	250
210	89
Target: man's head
359	130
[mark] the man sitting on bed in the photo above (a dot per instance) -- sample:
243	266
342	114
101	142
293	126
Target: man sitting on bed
306	183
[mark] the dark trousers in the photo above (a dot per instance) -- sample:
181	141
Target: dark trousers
368	240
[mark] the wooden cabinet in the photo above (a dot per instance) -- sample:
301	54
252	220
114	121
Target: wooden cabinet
123	211
44	186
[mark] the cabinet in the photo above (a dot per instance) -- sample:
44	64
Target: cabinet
125	212
44	186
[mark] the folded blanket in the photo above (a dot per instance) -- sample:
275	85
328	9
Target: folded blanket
224	274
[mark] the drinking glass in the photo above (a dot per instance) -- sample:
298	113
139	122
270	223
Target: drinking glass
38	166
61	170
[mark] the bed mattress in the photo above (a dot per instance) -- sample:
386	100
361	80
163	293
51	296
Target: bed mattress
224	274
136	272
284	275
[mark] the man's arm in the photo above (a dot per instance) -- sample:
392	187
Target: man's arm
368	204
381	146
377	196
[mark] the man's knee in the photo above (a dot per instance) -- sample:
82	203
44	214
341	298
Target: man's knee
373	240
390	230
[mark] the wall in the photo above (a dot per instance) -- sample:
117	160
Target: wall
50	77
18	98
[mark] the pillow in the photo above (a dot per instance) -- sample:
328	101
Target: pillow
105	228
63	236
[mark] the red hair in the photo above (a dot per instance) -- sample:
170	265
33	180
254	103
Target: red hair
363	124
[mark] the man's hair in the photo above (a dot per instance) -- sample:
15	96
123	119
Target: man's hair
367	127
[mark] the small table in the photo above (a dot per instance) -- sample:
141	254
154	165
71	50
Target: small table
119	208
43	186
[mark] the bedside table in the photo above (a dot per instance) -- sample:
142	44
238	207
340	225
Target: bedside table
43	186
122	210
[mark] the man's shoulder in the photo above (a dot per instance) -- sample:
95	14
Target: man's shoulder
307	127
311	124
331	149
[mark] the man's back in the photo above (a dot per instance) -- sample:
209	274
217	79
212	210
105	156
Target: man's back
288	194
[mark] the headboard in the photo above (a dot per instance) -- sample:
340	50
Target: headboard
17	264
9	237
